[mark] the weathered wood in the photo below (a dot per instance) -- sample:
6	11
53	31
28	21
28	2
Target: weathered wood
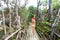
55	24
4	22
21	35
57	34
12	34
31	35
50	10
10	11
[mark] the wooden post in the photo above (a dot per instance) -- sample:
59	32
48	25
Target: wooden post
3	20
18	22
4	23
10	11
16	9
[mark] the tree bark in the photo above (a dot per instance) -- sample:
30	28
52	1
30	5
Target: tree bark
50	10
37	11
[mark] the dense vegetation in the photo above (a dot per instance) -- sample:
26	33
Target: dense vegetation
44	24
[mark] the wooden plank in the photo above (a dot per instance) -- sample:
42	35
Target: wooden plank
12	34
57	34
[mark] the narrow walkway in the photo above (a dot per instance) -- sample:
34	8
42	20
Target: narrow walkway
31	35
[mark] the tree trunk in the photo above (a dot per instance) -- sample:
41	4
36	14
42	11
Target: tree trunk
50	10
16	5
37	11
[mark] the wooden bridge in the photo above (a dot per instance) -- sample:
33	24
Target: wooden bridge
29	35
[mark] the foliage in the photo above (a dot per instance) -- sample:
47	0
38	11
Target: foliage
32	11
23	12
30	17
55	4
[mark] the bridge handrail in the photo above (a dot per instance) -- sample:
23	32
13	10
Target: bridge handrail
12	34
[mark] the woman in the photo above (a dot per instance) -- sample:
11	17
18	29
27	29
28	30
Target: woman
33	24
